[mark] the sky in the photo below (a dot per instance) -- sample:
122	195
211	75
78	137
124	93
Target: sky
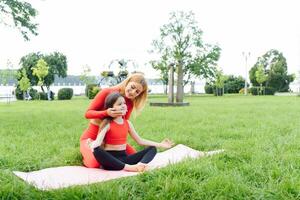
94	32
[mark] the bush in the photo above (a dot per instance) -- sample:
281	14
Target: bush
94	92
269	91
65	94
89	88
44	96
19	93
209	88
266	91
34	94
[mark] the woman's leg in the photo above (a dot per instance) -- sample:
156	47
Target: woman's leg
144	156
89	159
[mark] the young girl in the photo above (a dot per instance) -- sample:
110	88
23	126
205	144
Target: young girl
109	148
134	89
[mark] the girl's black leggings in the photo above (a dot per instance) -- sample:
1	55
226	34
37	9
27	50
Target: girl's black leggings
116	160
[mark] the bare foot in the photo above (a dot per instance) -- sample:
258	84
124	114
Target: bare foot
140	167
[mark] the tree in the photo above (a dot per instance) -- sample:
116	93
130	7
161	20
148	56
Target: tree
181	43
24	83
21	13
275	67
40	70
163	67
57	63
260	76
219	82
233	84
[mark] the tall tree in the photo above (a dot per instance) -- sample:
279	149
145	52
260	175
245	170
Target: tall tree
40	70
261	77
19	14
181	42
275	67
24	82
219	82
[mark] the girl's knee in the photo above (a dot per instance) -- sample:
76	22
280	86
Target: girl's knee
152	148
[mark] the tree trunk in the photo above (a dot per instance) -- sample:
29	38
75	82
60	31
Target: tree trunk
192	87
42	89
165	89
24	95
171	85
48	93
179	94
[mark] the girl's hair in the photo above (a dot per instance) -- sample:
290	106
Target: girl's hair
140	101
109	102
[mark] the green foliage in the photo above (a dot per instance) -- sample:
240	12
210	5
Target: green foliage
44	96
40	70
275	68
24	81
22	14
234	84
94	92
65	94
162	66
34	94
19	93
57	66
89	88
262	91
209	88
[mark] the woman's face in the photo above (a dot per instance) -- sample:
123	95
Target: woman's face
133	89
120	104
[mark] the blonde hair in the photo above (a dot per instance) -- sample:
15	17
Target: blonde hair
140	101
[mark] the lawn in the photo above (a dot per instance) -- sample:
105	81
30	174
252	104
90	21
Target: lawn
261	136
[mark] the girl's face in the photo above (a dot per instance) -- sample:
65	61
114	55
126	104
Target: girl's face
133	89
120	104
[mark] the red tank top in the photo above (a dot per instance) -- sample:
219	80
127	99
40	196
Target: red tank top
117	133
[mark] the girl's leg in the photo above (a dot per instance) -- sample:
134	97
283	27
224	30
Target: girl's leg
107	160
144	156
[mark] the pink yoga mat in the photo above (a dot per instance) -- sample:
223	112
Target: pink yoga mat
61	177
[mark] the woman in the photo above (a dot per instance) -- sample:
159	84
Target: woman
110	144
134	89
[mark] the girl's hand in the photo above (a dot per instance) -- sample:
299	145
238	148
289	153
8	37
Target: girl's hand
166	143
92	144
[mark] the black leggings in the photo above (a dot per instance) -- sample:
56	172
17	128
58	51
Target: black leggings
116	160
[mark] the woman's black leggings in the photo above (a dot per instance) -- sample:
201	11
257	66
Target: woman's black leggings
116	160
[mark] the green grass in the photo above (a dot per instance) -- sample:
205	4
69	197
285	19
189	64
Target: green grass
261	136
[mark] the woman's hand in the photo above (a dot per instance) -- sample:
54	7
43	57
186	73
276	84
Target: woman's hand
113	112
166	143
